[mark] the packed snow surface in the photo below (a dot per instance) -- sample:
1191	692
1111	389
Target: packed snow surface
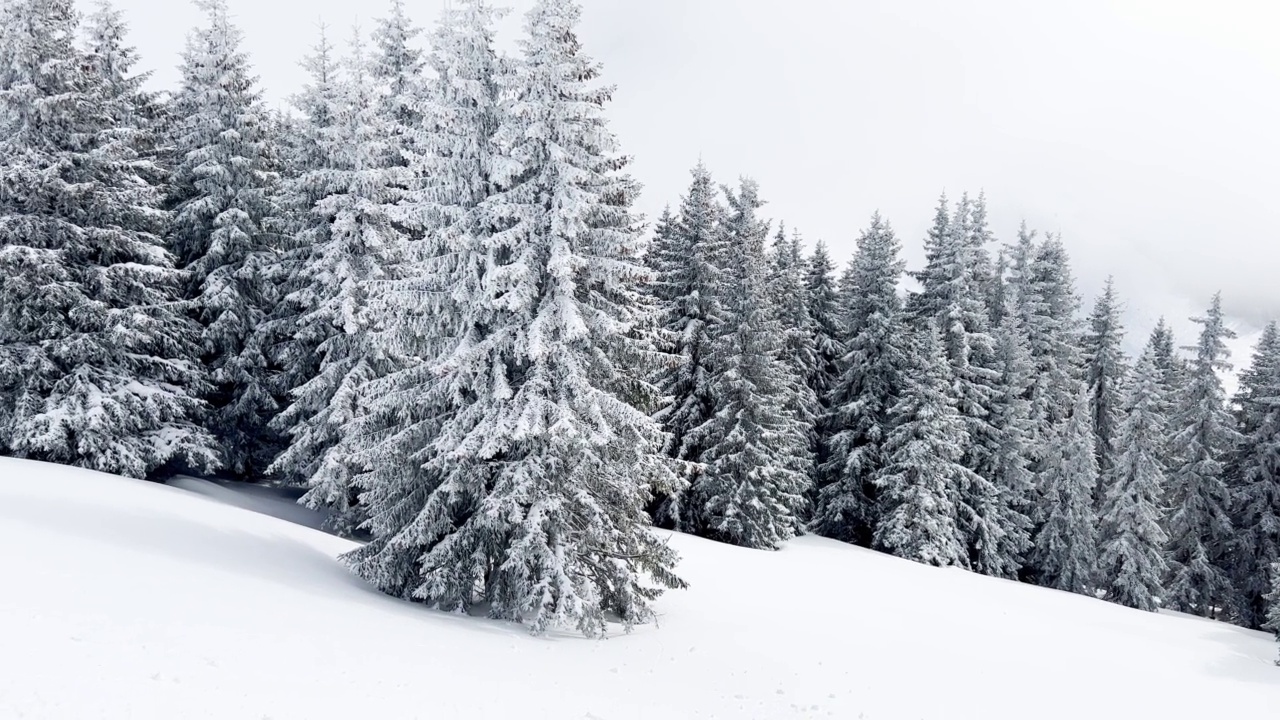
126	599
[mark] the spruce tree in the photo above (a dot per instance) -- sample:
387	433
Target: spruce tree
1105	376
989	275
1254	479
1066	550
530	495
845	288
221	198
1010	464
361	248
919	484
95	347
868	387
789	298
1256	384
397	68
1172	366
1200	525
114	61
753	490
440	314
955	290
824	324
1132	565
691	286
308	162
1172	369
1049	305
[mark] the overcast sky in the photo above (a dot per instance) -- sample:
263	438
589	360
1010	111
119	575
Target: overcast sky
1143	131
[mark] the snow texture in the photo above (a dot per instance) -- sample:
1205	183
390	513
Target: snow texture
202	610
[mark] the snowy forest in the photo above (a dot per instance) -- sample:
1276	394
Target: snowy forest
423	295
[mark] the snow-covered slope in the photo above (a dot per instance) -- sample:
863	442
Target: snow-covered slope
124	599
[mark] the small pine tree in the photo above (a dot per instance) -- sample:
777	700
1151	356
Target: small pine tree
1105	376
1200	527
868	387
752	492
1132	563
919	484
1066	549
95	348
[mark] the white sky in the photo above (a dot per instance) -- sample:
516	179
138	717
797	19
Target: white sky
1145	131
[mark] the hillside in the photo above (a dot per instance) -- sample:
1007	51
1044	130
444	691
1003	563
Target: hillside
127	599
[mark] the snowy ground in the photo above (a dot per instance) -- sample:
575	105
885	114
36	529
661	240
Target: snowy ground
126	599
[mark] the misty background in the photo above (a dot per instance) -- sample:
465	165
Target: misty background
1143	131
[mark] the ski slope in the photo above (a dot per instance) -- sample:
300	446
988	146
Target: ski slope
125	599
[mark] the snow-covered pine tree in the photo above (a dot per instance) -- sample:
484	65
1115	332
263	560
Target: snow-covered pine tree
1066	547
308	166
920	483
1050	305
692	286
114	61
752	492
844	291
1018	275
1256	384
999	291
660	257
531	495
1254	479
360	249
1010	463
1200	525
413	496
1040	275
1173	370
867	389
789	298
824	328
221	198
929	302
1172	366
94	343
1105	371
1131	565
397	66
955	288
988	275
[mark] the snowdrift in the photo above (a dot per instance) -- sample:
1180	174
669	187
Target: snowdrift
125	599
